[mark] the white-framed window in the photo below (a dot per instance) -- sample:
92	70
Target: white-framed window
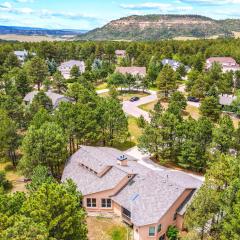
151	231
91	202
106	203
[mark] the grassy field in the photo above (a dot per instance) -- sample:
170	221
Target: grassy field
106	229
26	38
101	86
134	130
190	110
135	133
15	177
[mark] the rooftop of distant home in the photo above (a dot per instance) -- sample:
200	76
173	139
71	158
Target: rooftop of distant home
21	53
98	169
173	63
72	63
55	97
141	71
120	52
222	60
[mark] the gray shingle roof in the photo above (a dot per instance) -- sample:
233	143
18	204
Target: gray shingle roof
56	98
141	71
71	63
156	190
226	100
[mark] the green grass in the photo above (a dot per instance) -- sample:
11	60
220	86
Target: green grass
148	106
14	177
101	86
119	233
134	130
135	133
153	88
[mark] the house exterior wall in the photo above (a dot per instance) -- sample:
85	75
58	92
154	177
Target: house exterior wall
66	69
142	233
105	194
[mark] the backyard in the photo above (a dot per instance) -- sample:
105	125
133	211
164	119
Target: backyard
14	176
102	228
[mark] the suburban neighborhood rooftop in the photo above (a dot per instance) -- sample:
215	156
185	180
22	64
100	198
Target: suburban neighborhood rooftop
156	190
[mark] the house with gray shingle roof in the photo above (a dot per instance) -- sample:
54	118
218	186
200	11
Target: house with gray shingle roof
56	98
135	71
65	67
112	181
227	63
174	64
22	55
226	99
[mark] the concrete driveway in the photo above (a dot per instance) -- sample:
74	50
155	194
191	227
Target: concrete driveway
144	159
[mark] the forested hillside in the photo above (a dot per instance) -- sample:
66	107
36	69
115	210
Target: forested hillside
155	27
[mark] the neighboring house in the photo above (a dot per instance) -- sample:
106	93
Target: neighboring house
174	64
135	71
56	98
65	67
226	99
114	183
227	63
120	53
22	55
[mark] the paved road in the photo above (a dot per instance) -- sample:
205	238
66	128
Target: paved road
132	108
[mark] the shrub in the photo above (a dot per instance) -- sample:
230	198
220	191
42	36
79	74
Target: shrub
4	183
172	233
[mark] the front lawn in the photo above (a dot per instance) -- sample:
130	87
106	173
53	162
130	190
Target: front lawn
134	131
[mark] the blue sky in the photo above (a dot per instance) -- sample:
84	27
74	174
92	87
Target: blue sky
88	14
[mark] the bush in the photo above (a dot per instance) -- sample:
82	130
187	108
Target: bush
172	233
141	122
118	233
4	183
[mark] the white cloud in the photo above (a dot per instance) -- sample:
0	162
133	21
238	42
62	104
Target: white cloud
211	2
6	5
24	1
147	6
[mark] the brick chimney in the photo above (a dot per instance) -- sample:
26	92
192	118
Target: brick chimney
122	160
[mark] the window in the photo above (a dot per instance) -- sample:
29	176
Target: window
151	231
175	216
91	202
159	228
106	203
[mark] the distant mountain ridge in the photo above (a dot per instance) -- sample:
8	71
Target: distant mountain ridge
38	31
157	27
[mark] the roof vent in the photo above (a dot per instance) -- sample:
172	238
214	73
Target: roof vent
122	160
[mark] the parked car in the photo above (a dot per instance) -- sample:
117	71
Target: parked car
134	99
193	99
